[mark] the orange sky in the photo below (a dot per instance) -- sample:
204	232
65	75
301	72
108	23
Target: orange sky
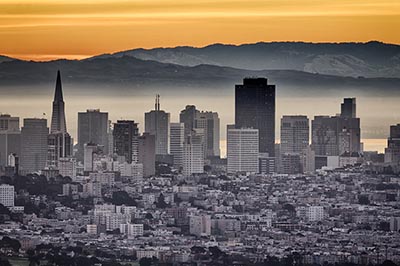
49	29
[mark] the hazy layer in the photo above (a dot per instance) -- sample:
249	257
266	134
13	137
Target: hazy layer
376	113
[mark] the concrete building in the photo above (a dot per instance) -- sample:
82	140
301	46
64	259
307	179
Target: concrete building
392	152
157	124
255	108
125	137
209	122
200	225
193	153
147	154
290	163
131	230
242	149
7	195
295	133
93	127
34	138
10	137
177	139
188	116
67	167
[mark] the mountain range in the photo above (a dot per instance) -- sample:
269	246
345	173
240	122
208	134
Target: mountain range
370	67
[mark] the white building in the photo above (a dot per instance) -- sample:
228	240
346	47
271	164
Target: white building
311	213
177	138
67	167
92	189
107	179
242	149
200	225
7	195
193	153
131	229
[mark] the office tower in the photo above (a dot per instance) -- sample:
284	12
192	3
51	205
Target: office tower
193	153
187	117
93	127
157	124
348	108
12	167
242	149
147	154
392	152
177	138
34	138
10	137
255	108
125	135
290	163
59	141
58	123
7	195
295	133
307	157
336	135
209	121
266	164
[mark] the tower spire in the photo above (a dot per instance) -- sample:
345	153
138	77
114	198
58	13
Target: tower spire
58	123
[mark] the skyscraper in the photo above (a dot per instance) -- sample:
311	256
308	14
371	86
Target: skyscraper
58	123
348	108
392	152
59	141
193	153
10	137
209	121
187	117
177	138
92	128
295	133
147	154
335	135
255	108
34	141
125	135
242	149
157	124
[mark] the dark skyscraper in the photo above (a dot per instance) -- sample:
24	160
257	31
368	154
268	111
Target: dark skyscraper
348	108
126	135
187	117
59	141
255	108
58	124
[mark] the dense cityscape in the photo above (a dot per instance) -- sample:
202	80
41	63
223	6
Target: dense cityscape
166	196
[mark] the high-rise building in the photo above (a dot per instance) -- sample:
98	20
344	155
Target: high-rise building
295	133
187	117
7	195
10	137
336	135
147	154
193	153
290	163
348	108
200	225
59	141
209	121
392	152
177	138
242	149
34	141
255	108
67	167
125	136
157	124
93	127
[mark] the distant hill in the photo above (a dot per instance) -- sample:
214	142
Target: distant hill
371	59
130	73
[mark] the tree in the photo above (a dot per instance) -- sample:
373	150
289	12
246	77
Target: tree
122	198
7	242
160	203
